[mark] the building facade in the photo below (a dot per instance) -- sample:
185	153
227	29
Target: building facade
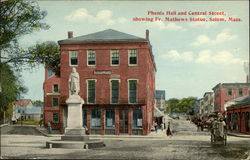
208	100
238	115
117	83
224	92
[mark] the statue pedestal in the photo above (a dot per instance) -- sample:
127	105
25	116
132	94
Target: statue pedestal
74	130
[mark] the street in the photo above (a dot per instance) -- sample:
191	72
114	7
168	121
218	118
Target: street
186	143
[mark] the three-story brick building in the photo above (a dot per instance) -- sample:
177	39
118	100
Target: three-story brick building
117	83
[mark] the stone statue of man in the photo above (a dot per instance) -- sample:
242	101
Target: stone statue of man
74	82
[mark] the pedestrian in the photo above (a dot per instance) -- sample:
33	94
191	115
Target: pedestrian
155	125
162	126
40	122
169	132
49	128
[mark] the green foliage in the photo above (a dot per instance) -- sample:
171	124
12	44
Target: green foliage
11	87
47	53
38	103
18	18
180	106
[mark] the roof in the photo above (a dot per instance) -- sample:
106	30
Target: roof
106	35
232	85
22	103
159	94
244	100
158	113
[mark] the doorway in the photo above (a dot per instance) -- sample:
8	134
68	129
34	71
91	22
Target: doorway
123	123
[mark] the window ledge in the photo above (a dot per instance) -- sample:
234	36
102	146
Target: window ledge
133	65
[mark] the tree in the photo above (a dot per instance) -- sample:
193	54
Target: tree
47	53
18	18
11	88
38	103
180	106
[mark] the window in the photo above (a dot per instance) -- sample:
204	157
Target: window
73	58
132	91
240	92
132	57
110	118
91	58
55	118
137	118
229	92
55	102
91	91
84	112
96	118
55	88
50	73
114	57
114	91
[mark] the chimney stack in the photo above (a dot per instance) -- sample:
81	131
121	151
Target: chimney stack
147	34
70	34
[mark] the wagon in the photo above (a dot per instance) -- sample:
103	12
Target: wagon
218	132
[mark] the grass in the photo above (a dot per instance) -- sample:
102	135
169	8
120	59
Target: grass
28	122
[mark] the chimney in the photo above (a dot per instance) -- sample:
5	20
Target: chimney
70	34
147	34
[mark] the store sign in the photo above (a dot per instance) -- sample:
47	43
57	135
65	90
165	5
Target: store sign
102	72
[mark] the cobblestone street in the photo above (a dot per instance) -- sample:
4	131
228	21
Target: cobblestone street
184	144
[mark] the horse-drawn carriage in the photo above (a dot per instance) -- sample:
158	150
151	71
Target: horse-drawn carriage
218	132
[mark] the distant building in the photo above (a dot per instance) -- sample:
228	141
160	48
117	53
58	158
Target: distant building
117	83
201	106
195	108
160	99
238	115
208	102
25	110
224	92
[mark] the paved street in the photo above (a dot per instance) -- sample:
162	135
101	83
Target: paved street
192	145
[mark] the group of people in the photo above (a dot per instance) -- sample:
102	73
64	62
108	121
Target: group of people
162	126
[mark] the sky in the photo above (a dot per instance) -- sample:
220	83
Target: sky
191	56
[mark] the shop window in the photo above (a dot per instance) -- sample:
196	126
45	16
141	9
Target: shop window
96	118
137	118
229	92
91	58
132	91
55	118
91	91
115	57
114	91
73	55
132	57
110	118
240	92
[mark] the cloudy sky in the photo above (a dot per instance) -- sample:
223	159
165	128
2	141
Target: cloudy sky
191	57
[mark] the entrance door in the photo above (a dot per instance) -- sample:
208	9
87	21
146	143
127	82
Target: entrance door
123	114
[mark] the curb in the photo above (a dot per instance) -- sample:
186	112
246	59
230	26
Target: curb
2	125
239	135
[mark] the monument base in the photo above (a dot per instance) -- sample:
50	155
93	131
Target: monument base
75	131
89	144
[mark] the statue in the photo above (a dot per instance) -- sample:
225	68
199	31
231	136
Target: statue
74	86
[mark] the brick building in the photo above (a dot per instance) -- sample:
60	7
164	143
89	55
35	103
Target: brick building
224	92
117	83
238	115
